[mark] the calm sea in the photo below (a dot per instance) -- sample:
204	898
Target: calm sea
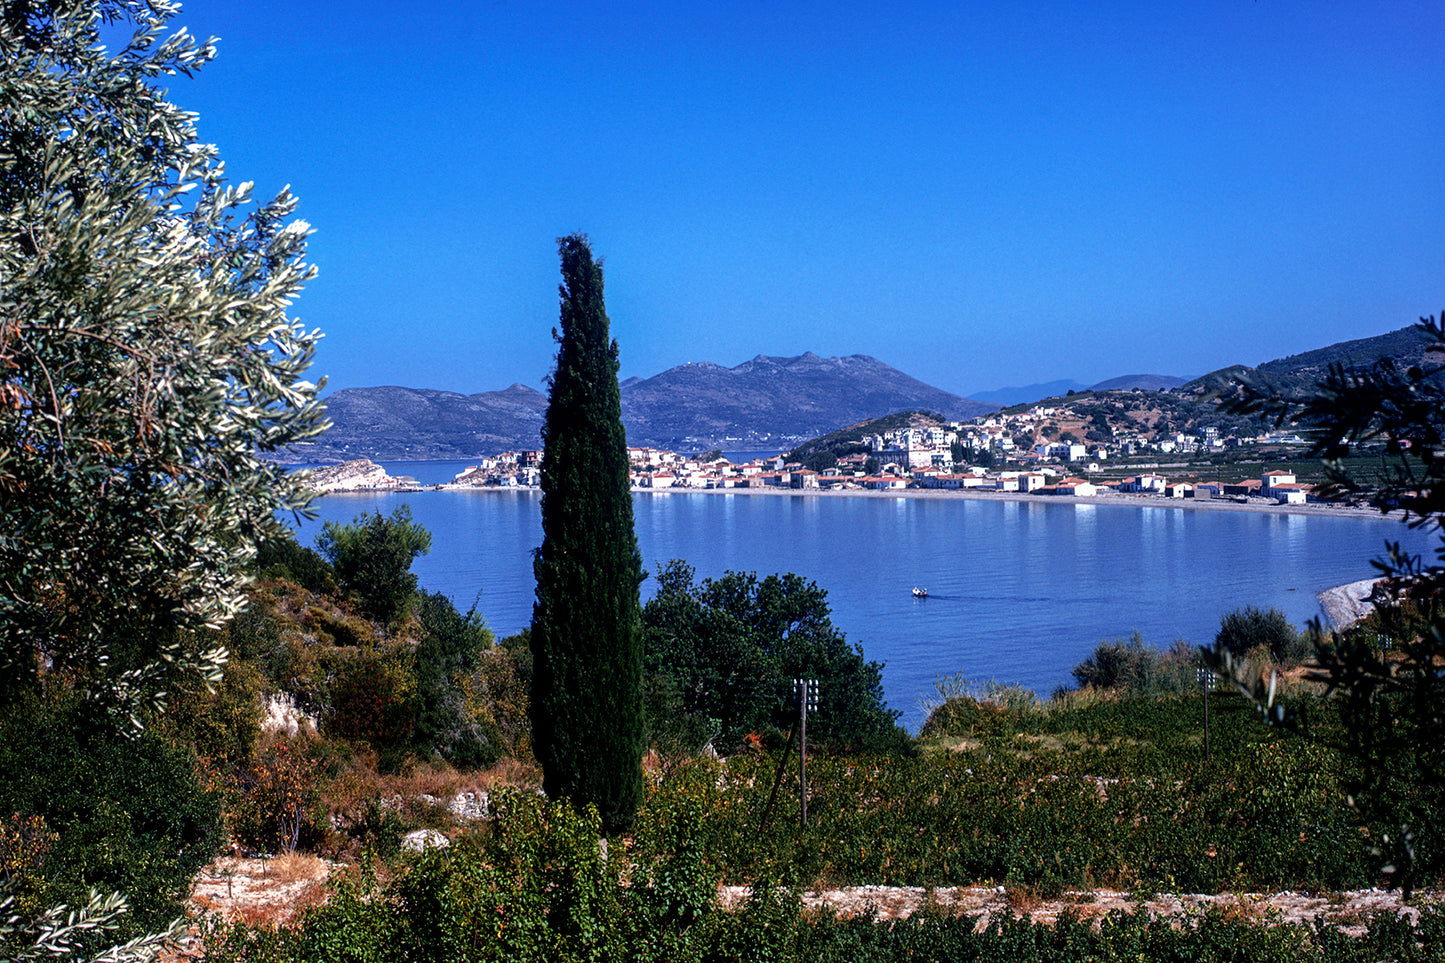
1019	592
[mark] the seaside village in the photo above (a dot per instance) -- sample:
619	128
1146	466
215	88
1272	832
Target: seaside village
922	457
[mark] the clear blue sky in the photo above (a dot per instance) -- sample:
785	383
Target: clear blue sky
980	194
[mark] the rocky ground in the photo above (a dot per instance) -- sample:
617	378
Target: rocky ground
360	474
1344	605
275	890
989	903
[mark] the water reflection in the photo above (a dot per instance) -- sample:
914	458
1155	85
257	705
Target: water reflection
1020	591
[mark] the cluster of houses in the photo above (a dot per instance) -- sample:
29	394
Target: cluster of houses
906	467
511	469
922	456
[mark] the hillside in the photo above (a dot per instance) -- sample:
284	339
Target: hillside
1145	381
394	423
849	440
766	402
1298	372
1018	394
1149	408
773	402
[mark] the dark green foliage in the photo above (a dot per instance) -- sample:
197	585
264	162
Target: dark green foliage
1300	374
1391	702
534	885
1116	793
587	714
281	556
1249	628
821	461
1138	668
372	560
672	729
732	646
451	648
129	813
519	648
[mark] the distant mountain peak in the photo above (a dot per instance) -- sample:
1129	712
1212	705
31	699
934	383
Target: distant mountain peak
1147	382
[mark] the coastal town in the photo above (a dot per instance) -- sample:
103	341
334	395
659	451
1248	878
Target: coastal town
916	458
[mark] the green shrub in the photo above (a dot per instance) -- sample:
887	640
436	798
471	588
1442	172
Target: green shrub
372	560
1136	668
1249	628
223	723
451	650
127	814
281	556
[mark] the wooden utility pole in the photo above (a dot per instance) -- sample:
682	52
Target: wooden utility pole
807	690
1206	679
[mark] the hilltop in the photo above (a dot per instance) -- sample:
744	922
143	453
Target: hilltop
762	403
777	402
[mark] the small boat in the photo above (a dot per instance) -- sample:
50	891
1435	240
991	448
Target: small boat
919	593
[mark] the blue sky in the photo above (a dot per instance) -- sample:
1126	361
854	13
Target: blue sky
980	194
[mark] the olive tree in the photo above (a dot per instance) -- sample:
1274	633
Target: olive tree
148	362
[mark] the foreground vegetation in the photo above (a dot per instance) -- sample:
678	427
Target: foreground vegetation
342	723
536	883
177	677
1045	800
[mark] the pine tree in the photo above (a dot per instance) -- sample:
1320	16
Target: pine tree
587	723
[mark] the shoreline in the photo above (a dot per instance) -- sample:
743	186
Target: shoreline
1124	501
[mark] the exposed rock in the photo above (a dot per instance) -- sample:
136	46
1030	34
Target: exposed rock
1344	605
360	474
424	839
471	805
991	903
281	715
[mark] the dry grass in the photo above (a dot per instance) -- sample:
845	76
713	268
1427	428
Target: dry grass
268	892
1021	899
291	867
1244	909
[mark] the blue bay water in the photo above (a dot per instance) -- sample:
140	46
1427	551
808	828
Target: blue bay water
1019	592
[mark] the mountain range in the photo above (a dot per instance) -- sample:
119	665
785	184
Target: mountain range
765	403
1019	394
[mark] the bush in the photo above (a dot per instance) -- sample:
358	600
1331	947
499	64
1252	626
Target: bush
372	559
115	813
536	884
373	701
733	646
450	652
283	557
1137	668
279	789
1244	630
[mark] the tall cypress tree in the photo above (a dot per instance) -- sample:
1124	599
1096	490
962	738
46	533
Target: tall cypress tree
587	724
